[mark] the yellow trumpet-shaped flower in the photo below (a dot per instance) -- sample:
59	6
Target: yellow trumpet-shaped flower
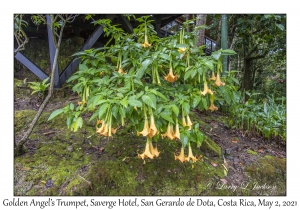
169	133
189	122
206	90
114	130
102	128
212	107
121	71
99	122
145	131
171	77
191	156
182	50
181	156
147	152
146	44
218	81
152	130
153	150
213	77
177	133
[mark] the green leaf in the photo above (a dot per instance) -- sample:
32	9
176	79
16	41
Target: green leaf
165	56
166	117
133	102
196	101
140	72
216	55
124	102
115	111
103	109
204	102
186	107
188	74
79	122
175	110
83	67
71	106
228	52
97	102
184	139
281	27
150	100
55	113
94	116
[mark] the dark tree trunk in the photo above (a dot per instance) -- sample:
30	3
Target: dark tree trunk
201	21
248	78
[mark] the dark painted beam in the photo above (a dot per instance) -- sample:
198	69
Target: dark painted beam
158	25
31	66
75	62
126	23
52	50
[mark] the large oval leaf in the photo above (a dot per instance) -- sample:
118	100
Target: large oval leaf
55	113
133	102
150	100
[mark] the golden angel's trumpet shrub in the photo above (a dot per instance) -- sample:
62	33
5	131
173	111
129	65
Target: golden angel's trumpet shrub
171	77
152	130
154	151
177	132
190	155
218	81
189	122
206	90
182	50
181	156
169	133
145	131
213	77
147	152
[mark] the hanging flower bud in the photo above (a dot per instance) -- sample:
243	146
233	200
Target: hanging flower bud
177	133
171	77
213	77
191	156
152	130
181	156
218	81
189	122
169	133
206	90
147	152
145	131
153	150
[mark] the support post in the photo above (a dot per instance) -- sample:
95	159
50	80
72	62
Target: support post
158	25
224	41
52	50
